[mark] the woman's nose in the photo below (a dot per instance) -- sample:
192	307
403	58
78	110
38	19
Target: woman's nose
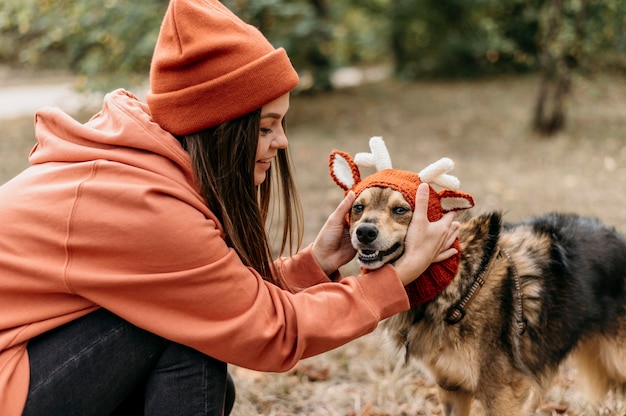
280	140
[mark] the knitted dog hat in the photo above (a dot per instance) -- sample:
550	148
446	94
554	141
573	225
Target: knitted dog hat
345	172
209	67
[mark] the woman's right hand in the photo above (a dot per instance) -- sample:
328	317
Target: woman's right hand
426	242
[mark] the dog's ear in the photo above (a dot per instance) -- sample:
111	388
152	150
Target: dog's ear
455	200
343	170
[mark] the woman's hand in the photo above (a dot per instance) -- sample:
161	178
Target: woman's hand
332	248
426	242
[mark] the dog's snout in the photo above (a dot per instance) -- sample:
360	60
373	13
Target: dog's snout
366	233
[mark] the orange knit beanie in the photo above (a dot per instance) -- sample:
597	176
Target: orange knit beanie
209	67
346	174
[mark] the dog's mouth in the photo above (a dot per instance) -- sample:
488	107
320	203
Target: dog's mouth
376	258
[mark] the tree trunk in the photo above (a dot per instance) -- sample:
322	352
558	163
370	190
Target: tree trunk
558	59
317	56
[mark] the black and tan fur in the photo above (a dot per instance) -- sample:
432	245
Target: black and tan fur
554	287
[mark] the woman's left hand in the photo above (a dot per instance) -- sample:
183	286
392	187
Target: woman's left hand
332	248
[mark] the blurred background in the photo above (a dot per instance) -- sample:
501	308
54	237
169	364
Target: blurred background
528	97
110	42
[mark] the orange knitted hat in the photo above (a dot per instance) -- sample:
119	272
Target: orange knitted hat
345	172
209	67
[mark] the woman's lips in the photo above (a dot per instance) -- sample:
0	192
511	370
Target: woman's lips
264	163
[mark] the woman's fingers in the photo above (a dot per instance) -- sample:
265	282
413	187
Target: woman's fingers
339	214
421	200
426	241
332	248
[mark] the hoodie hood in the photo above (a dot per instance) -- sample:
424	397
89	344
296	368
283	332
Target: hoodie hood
117	133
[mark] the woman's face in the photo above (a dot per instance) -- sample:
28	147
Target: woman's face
271	136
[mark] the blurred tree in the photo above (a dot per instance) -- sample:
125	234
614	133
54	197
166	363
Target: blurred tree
302	27
605	38
318	55
112	39
562	34
360	32
575	35
457	38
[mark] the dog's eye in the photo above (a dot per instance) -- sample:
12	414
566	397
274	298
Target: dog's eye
357	208
400	210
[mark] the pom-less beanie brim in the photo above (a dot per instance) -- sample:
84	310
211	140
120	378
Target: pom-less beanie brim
230	96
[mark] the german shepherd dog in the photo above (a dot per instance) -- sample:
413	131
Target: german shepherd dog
526	297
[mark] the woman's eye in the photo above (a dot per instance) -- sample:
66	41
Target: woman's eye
266	131
400	210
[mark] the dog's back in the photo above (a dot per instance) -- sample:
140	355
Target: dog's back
583	305
554	286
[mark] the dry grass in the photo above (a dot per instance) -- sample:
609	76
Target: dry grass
484	127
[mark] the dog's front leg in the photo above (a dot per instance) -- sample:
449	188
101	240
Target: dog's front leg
519	397
455	403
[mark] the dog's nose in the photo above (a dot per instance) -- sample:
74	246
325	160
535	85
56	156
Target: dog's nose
366	233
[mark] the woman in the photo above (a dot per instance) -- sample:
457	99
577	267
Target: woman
133	257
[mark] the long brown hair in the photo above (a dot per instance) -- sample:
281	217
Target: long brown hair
223	160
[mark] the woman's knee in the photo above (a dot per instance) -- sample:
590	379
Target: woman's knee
185	380
69	365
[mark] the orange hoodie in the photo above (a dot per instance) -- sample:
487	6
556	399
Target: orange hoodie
108	216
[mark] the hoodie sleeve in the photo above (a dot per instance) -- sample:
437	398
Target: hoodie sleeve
302	270
166	268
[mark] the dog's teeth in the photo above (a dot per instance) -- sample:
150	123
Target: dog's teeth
367	255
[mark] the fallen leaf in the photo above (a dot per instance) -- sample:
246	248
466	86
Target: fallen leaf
311	372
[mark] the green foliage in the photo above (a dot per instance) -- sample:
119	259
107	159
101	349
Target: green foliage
99	40
361	32
605	36
113	39
295	25
459	38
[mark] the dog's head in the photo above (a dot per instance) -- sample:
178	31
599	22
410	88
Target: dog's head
378	223
385	200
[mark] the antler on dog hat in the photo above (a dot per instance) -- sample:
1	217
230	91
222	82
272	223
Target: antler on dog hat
345	172
209	67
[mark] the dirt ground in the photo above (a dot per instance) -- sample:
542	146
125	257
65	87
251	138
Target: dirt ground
484	127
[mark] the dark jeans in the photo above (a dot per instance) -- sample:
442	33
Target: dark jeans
102	365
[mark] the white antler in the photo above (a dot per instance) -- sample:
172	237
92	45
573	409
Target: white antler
379	158
436	173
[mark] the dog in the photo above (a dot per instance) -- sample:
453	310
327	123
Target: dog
526	297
